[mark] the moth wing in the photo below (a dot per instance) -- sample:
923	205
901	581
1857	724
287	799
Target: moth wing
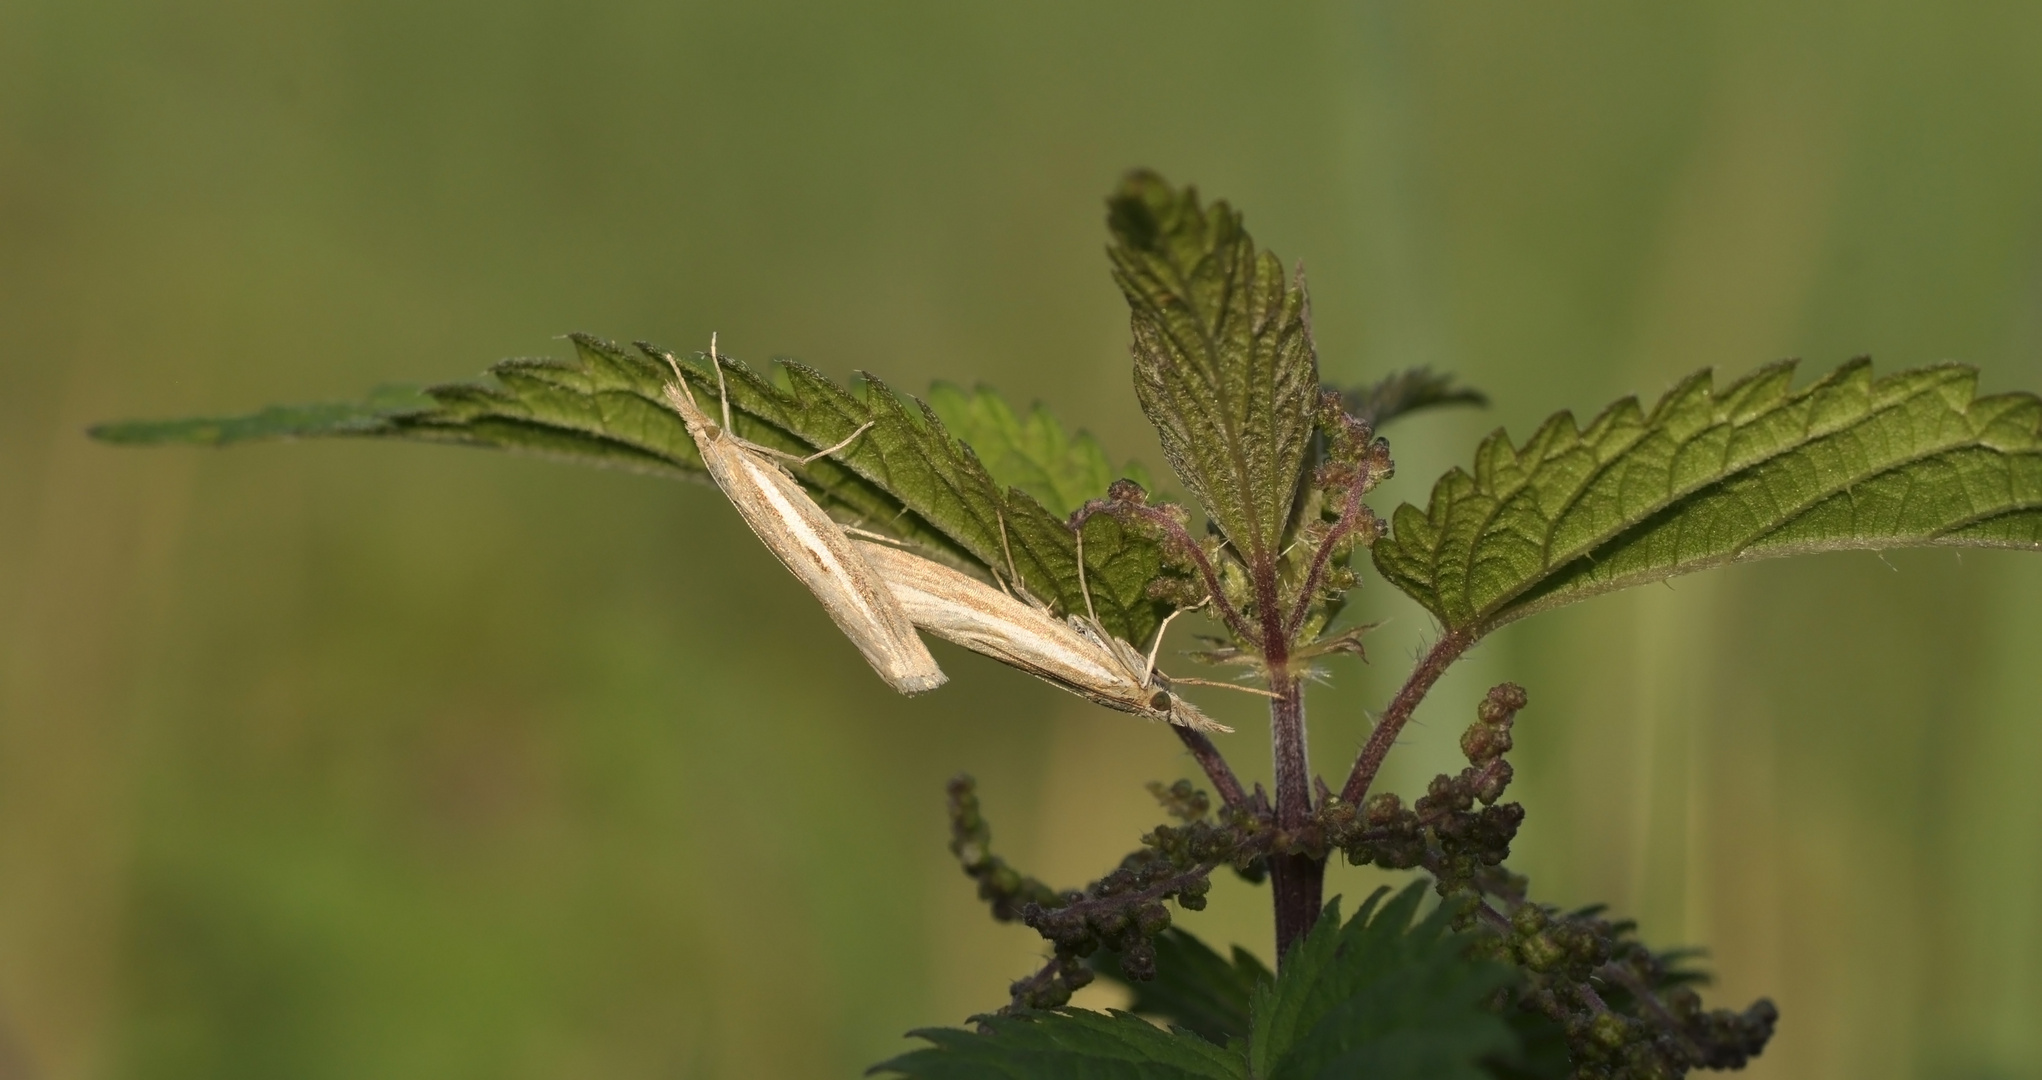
1136	664
1073	654
815	549
964	610
1184	714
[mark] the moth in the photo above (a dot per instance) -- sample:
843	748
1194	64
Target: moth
1076	654
805	539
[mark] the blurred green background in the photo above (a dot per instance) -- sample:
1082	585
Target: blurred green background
348	760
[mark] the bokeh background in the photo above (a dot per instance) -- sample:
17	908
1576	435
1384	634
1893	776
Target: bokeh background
349	760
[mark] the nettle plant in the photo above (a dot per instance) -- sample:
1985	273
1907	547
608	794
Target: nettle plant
1011	537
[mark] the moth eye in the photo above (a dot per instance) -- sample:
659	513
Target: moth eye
1161	702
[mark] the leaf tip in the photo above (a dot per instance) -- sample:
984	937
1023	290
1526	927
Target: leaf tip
1137	212
151	432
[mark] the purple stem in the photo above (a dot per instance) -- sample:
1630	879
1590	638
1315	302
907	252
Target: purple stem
1216	768
1350	513
1184	541
1448	649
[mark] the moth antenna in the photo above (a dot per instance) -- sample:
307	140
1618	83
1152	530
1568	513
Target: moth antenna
1158	646
1227	686
1082	587
679	379
1000	516
722	391
853	437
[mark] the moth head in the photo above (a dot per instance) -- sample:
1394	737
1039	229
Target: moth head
1165	705
682	401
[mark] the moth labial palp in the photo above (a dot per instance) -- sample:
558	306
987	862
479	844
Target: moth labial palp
805	539
1076	654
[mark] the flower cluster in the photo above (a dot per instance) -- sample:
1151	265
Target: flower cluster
1123	911
1457	828
1623	1011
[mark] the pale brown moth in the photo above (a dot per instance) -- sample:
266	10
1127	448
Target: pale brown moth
805	539
1076	654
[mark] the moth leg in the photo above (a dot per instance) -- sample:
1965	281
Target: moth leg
1174	681
848	440
783	455
870	535
1000	516
1150	671
1082	587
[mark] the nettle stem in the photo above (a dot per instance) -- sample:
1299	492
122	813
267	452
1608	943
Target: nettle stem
1297	881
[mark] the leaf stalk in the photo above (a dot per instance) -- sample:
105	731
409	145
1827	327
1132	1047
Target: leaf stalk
1215	765
1180	537
1442	655
1351	512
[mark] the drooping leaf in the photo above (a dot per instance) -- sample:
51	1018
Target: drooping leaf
1406	392
1033	453
908	476
1065	1044
603	410
1379	997
1223	357
385	407
1714	475
1195	988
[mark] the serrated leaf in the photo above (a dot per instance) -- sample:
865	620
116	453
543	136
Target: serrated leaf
908	476
1719	475
1542	1049
1379	997
1065	1044
1033	453
1195	988
595	412
1406	392
1223	357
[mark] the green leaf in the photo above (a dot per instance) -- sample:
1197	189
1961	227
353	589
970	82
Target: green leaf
908	476
603	410
1542	1049
1223	357
1378	997
1712	476
1406	392
1194	988
386	406
1065	1044
1033	453
1382	998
